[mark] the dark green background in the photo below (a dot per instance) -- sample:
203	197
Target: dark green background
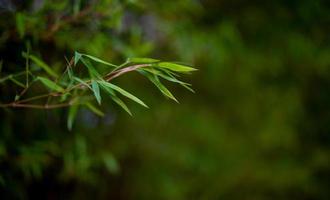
258	126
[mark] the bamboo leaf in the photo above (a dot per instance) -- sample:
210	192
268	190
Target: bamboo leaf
96	91
176	67
154	79
116	99
20	24
77	57
92	71
99	60
16	82
50	84
123	92
94	109
142	60
82	82
73	110
170	77
41	64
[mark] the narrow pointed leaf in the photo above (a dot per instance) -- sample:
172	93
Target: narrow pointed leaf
123	92
77	57
73	110
96	91
154	79
142	60
95	110
116	99
176	67
17	82
92	71
99	60
42	64
82	82
50	84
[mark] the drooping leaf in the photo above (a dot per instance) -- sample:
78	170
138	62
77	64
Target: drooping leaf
77	57
92	71
96	91
70	72
176	67
72	115
116	99
95	110
16	82
170	77
154	79
99	60
42	64
142	60
50	84
123	92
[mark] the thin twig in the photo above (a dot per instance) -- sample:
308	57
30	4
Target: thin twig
107	77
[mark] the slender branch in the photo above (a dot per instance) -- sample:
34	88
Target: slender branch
110	76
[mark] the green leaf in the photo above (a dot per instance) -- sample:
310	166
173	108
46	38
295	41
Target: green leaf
168	76
20	24
96	91
176	67
50	84
110	163
77	57
92	71
82	82
72	115
94	109
70	73
41	64
16	82
154	79
123	92
142	60
99	60
116	99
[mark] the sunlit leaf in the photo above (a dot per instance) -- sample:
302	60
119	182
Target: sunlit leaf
96	91
176	67
142	60
50	84
123	92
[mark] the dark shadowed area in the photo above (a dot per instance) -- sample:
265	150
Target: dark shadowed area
257	126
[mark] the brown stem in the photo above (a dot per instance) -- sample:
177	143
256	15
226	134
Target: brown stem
107	77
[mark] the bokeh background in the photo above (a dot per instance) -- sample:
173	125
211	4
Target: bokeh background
258	126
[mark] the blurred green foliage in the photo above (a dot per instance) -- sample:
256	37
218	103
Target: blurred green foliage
257	127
